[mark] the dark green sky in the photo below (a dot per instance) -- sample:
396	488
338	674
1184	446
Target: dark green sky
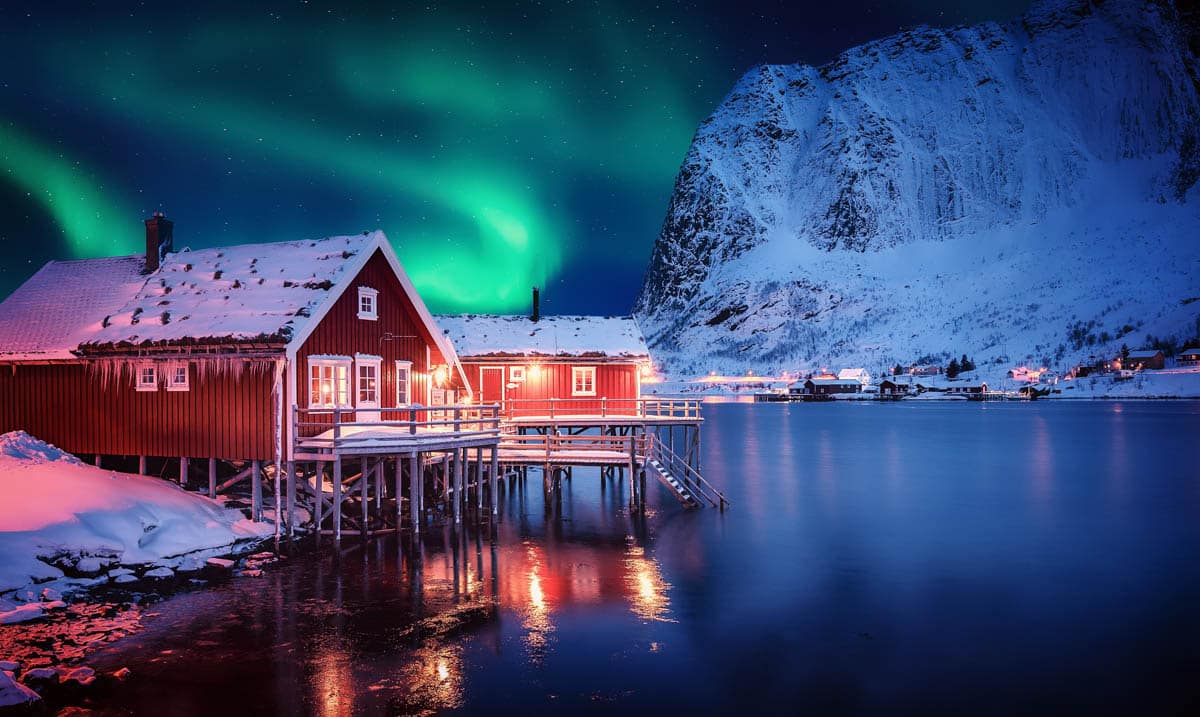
497	147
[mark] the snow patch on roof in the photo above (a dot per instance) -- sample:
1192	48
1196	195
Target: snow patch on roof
65	303
517	335
236	293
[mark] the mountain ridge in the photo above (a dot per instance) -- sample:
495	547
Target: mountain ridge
813	197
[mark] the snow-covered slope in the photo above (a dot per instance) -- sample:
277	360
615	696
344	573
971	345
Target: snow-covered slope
1012	191
55	509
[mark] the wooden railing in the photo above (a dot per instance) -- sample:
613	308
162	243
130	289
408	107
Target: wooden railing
652	447
554	448
659	408
344	426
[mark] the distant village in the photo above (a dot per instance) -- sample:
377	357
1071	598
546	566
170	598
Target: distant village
960	379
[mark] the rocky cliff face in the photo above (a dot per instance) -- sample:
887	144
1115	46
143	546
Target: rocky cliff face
984	189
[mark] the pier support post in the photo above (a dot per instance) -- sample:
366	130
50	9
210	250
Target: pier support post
319	494
494	481
183	470
414	490
458	482
291	498
212	477
479	481
337	497
364	481
399	486
142	467
256	489
379	487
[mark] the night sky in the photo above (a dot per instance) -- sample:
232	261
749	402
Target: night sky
497	148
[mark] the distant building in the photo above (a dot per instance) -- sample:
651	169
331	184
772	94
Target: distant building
1145	359
891	387
1048	377
826	386
1189	357
926	370
968	388
855	374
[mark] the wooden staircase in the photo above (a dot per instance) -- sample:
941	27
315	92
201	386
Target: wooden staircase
678	475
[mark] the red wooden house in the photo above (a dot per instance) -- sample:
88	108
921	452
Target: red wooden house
568	365
206	353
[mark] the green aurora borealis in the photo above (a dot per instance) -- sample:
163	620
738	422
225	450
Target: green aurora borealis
498	149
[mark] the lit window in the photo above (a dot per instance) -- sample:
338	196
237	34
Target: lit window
329	383
403	383
368	303
177	377
516	374
583	380
368	383
147	377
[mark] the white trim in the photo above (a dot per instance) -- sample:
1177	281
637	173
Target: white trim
172	369
366	292
588	369
362	361
516	374
380	241
137	378
406	366
334	362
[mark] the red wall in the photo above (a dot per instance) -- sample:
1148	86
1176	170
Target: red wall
342	333
614	381
225	414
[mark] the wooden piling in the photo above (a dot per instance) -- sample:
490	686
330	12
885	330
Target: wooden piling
415	488
319	503
337	497
364	480
142	466
183	471
256	490
291	498
212	477
494	481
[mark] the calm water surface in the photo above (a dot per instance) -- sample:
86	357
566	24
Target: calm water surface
933	558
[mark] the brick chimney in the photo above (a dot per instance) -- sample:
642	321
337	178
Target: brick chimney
537	309
159	240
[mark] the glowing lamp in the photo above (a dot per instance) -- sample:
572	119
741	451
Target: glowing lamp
533	370
440	374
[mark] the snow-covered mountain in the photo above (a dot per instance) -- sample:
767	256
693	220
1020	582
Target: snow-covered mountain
1018	191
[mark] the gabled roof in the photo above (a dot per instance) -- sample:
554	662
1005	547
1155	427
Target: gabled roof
65	303
489	335
1144	353
1190	350
828	382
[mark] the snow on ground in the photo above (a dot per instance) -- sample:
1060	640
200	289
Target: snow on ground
57	512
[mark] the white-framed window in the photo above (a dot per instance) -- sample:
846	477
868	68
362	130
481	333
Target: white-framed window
583	380
368	303
147	377
329	382
367	384
177	377
516	374
403	383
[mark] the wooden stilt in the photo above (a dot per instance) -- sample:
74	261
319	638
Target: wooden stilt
212	477
399	485
183	470
256	490
492	475
479	481
97	460
337	497
319	503
458	480
291	498
364	481
142	466
415	488
379	487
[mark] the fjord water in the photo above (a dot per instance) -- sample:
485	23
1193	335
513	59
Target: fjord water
924	557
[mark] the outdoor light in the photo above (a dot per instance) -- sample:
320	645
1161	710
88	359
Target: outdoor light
534	370
440	375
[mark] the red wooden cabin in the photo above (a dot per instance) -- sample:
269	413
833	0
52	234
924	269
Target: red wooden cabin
205	353
555	365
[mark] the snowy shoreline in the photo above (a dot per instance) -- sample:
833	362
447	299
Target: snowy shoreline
67	528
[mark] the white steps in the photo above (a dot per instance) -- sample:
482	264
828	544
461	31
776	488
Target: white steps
679	490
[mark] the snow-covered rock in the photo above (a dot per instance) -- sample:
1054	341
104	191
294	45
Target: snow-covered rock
57	509
1011	190
15	696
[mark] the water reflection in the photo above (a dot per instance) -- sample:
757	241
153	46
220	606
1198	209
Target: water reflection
648	592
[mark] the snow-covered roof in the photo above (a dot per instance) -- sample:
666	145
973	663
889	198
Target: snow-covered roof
64	304
250	292
1146	353
1190	350
828	382
237	293
858	374
509	335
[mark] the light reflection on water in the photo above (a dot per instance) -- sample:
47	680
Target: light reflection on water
926	558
